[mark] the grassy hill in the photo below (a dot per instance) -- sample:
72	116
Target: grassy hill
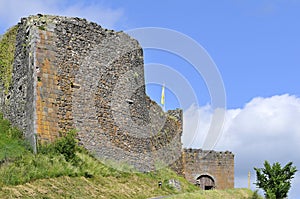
218	194
81	187
64	170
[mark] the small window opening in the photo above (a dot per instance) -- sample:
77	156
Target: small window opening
129	101
73	85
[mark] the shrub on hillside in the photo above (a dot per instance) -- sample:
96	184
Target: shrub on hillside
66	145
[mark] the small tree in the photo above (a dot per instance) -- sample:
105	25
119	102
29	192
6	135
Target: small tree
274	180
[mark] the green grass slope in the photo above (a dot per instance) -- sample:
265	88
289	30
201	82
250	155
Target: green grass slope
109	187
131	186
64	170
218	194
11	143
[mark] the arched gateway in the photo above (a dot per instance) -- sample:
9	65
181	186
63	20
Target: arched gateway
205	182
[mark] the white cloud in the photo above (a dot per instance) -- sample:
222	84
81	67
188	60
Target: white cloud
196	123
11	11
265	129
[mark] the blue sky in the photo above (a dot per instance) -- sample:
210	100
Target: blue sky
255	46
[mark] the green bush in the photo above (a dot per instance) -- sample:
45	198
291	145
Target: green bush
66	145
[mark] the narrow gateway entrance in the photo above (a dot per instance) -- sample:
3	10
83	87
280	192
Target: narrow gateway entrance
205	182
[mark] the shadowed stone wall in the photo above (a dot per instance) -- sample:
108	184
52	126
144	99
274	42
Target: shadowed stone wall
17	103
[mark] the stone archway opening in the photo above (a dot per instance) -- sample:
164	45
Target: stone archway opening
205	182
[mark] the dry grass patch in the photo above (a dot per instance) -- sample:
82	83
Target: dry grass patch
216	194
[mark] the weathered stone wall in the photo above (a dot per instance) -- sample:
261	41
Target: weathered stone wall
73	74
17	102
218	165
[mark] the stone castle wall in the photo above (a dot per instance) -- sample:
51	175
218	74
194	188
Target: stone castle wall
73	74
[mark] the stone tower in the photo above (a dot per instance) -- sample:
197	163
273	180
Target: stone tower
69	73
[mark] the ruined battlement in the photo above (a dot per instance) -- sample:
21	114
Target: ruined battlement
199	154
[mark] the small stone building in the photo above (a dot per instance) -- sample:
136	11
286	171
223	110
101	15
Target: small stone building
209	169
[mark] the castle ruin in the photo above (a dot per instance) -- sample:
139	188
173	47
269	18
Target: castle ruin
69	73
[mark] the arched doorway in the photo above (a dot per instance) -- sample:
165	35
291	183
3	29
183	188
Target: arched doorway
205	182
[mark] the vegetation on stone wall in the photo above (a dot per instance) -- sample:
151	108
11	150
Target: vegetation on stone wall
7	51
